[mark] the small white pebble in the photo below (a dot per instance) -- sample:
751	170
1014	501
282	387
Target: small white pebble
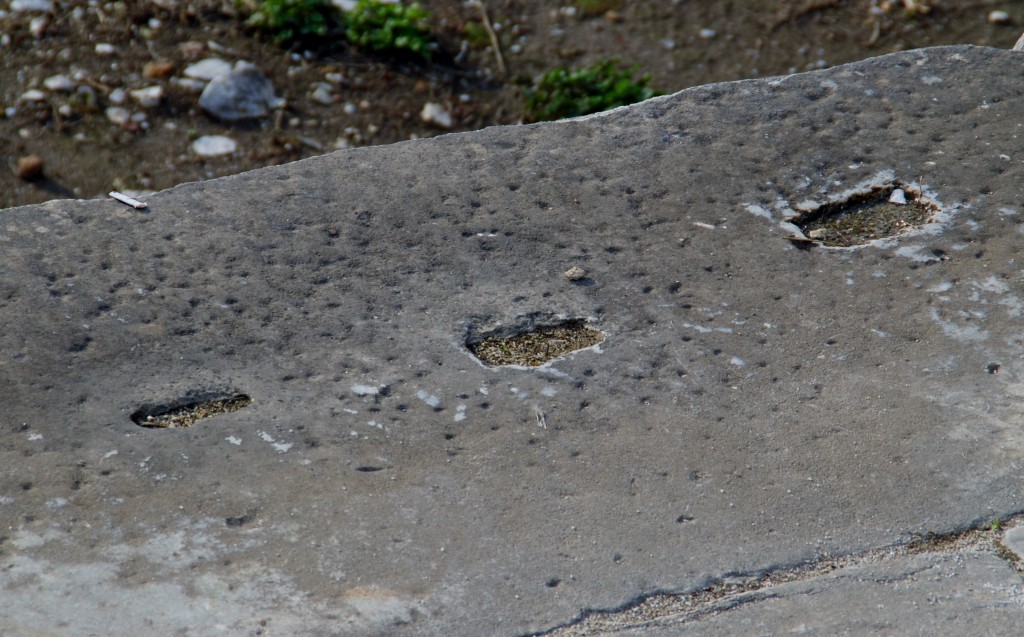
898	197
436	114
33	95
707	34
118	96
999	17
59	83
575	273
37	26
214	146
148	97
105	49
118	115
322	94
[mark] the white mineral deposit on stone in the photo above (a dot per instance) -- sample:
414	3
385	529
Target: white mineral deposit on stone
365	390
707	330
898	197
460	413
233	440
148	97
206	70
436	114
214	146
430	399
755	209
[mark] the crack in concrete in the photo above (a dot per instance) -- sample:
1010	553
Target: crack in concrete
731	593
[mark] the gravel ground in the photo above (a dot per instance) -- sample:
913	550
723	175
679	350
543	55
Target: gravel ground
95	96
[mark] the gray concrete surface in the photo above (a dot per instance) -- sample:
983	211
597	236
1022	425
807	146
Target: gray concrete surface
962	593
754	406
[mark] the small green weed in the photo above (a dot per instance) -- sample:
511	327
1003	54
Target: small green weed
476	34
997	525
563	93
381	26
291	21
597	7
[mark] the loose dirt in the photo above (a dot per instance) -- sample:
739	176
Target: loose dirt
373	99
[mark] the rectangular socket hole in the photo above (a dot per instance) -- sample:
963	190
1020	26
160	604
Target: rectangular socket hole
189	411
884	211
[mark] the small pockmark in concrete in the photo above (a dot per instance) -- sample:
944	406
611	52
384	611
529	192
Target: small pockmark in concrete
538	346
188	414
879	213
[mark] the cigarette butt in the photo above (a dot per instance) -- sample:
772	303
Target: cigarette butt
134	203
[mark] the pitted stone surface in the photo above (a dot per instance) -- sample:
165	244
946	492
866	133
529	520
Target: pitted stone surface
754	404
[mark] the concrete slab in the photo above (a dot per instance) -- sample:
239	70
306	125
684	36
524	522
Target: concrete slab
755	404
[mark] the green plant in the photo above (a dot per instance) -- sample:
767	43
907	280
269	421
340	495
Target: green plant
997	525
384	26
561	93
597	7
292	21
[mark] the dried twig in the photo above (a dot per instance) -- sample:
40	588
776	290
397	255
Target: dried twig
502	69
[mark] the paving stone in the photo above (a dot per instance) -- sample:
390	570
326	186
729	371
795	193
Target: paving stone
758	400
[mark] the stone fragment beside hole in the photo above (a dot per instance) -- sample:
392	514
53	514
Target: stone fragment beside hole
884	211
187	412
534	346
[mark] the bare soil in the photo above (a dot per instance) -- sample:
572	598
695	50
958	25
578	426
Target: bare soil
378	99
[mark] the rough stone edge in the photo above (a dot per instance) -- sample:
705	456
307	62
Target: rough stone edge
662	609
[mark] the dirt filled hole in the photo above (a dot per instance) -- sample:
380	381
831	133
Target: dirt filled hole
187	412
536	346
885	211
